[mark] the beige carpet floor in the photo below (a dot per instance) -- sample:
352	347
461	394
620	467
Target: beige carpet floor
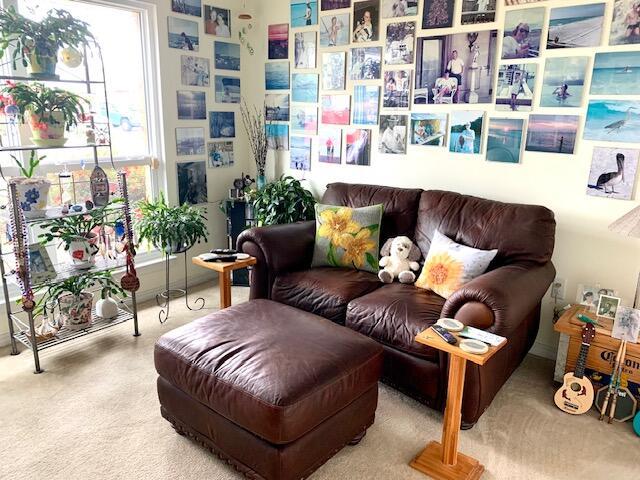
94	415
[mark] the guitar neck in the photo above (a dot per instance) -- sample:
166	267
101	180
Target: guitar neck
582	359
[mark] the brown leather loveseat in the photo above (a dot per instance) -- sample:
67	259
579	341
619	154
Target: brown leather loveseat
505	300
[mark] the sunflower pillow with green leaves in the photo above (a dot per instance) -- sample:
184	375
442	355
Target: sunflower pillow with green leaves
347	237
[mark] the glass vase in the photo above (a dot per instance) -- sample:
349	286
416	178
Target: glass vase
261	181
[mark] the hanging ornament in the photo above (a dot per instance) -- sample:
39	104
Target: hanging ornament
99	186
71	57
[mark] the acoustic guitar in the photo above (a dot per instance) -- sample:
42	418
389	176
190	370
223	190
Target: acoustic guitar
575	396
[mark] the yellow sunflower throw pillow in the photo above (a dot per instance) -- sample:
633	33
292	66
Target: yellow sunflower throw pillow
347	237
450	265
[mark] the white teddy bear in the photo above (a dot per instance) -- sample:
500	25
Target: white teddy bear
399	259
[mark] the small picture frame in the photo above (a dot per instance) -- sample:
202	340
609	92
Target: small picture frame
608	306
626	325
40	265
587	296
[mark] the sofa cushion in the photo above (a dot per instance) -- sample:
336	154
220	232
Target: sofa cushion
394	314
324	291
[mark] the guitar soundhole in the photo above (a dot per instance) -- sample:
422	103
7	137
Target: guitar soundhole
576	387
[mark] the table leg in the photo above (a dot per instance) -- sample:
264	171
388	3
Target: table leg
225	289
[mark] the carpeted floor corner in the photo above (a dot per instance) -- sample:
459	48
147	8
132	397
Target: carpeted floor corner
94	414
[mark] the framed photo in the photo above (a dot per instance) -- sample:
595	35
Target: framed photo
613	172
304	120
305	48
227	89
220	154
334	4
552	133
217	21
613	121
616	73
330	145
588	296
187	7
278	41
334	70
227	56
466	131
515	87
393	134
336	109
504	142
194	71
40	264
276	107
304	13
428	129
626	325
300	153
399	8
277	136
276	76
438	14
304	87
191	105
183	34
366	21
189	141
365	63
576	26
358	147
400	42
366	104
607	306
397	88
334	30
624	27
192	183
480	11
222	125
522	32
563	82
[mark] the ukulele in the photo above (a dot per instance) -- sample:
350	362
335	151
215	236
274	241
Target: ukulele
575	396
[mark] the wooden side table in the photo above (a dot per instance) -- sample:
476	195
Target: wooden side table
224	270
441	460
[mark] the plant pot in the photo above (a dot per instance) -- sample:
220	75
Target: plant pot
107	308
32	194
83	250
47	130
43	64
75	312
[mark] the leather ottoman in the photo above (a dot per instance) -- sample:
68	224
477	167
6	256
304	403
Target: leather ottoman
273	390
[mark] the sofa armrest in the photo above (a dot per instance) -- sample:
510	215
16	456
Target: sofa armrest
510	293
278	249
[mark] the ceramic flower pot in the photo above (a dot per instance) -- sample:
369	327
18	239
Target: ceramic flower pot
75	312
32	194
47	130
43	64
83	250
107	308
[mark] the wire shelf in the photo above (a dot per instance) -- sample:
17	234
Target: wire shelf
15	78
23	148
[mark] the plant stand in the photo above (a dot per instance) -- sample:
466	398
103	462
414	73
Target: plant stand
163	299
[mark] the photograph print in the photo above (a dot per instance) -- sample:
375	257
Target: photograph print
194	71
522	33
330	145
191	105
613	172
334	70
41	268
466	131
217	21
334	4
607	306
509	3
616	73
277	136
365	63
278	41
190	141
227	89
438	14
334	30
478	11
514	91
576	26
305	50
366	21
366	104
304	87
625	26
227	56
613	121
183	34
400	43
187	7
458	68
563	82
304	13
626	325
504	140
304	120
192	183
222	125
336	109
300	153
393	134
358	147
220	154
276	75
552	133
428	129
276	107
397	88
399	8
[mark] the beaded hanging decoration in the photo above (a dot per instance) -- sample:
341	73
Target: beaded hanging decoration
18	227
129	280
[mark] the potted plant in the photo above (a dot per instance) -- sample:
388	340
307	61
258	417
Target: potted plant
32	192
49	111
254	123
78	233
36	44
283	201
73	299
171	229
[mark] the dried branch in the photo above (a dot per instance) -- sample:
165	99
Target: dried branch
254	122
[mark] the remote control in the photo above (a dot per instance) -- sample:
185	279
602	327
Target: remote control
444	334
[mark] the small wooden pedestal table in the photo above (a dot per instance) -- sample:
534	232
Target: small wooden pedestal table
224	270
442	460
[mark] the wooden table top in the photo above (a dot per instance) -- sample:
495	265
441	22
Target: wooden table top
568	323
430	338
224	266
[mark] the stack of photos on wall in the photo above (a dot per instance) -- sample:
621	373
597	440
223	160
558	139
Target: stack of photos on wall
205	136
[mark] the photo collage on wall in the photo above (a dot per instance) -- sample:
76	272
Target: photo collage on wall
371	77
205	136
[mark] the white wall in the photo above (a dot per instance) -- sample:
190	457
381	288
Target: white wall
585	251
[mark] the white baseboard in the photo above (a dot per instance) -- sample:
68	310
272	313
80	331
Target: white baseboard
543	350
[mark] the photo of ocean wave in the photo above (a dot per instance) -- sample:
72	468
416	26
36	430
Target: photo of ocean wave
616	73
277	76
613	121
576	26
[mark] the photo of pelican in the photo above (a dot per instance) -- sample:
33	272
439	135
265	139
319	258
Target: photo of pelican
613	172
613	121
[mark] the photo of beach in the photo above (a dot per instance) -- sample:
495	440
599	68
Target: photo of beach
613	172
304	13
625	25
304	87
330	145
276	75
576	26
276	107
278	41
613	121
522	33
300	153
227	56
563	82
616	73
466	131
366	104
183	34
515	87
428	129
304	120
336	109
190	141
504	141
358	147
277	136
552	133
191	105
334	30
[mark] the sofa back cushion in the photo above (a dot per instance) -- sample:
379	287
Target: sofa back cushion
519	232
400	205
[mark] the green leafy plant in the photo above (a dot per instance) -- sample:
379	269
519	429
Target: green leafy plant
29	170
283	201
172	229
43	39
